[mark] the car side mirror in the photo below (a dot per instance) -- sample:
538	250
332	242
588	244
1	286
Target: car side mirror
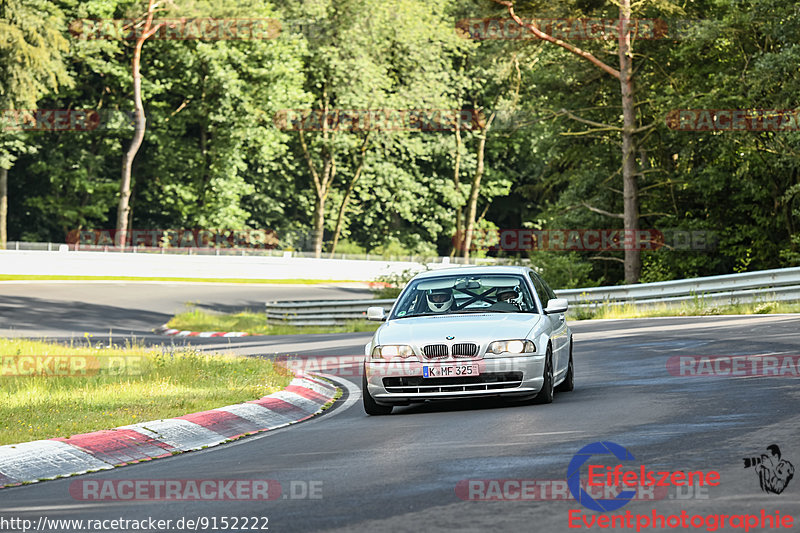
377	314
556	305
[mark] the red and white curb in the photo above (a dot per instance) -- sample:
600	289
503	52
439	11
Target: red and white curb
49	459
164	330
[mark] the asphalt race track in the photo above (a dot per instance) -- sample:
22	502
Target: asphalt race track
70	309
345	471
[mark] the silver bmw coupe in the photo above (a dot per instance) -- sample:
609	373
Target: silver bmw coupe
469	332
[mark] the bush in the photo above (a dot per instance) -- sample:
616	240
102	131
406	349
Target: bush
564	270
348	247
396	283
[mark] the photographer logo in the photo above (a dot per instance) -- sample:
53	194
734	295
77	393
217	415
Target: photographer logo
774	473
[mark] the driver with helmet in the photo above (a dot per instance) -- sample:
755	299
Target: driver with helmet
506	300
439	300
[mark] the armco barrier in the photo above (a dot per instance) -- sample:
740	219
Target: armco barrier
767	285
325	313
783	283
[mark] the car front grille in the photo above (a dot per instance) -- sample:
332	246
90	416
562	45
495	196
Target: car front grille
435	351
466	349
420	385
442	351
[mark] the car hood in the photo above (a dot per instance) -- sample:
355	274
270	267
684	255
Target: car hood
478	328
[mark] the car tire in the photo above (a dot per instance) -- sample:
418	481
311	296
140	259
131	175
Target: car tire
546	394
372	407
569	380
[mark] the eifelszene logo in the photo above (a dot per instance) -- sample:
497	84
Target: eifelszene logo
774	473
574	476
619	476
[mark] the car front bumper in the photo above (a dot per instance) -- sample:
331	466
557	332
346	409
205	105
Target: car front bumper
401	381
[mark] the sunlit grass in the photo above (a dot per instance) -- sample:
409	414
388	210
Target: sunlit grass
695	307
257	324
152	383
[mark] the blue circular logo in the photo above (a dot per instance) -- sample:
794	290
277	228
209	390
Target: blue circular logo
574	476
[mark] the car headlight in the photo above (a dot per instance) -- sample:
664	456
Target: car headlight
390	351
517	346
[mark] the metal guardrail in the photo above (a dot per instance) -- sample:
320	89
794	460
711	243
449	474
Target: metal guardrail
783	283
322	313
766	285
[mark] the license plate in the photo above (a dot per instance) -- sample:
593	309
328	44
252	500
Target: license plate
449	371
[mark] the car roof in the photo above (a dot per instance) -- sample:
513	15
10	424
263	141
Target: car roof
473	270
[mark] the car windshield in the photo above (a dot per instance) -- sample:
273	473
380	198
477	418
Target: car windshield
481	293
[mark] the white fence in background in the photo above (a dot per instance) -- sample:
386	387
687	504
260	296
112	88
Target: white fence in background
70	263
54	259
257	252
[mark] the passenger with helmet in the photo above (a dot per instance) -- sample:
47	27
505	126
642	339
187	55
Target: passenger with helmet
439	300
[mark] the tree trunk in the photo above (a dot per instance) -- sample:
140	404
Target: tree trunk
3	207
340	217
322	182
459	236
630	187
472	204
319	224
123	209
205	178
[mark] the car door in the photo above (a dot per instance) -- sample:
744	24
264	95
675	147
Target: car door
558	326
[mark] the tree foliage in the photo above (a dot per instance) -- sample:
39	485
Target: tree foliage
214	155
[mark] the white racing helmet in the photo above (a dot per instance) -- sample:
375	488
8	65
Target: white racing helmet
439	300
510	296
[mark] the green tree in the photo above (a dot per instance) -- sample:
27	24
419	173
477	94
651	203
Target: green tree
368	56
31	64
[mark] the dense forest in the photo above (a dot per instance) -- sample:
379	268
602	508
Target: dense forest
413	126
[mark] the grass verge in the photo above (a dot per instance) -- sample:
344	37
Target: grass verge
696	307
102	388
257	324
25	277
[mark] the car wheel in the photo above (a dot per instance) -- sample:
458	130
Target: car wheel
546	394
372	407
569	380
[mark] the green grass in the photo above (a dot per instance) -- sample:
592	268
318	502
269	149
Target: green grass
257	324
154	383
25	277
696	307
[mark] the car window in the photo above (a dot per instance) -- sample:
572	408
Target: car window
486	293
550	292
540	289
